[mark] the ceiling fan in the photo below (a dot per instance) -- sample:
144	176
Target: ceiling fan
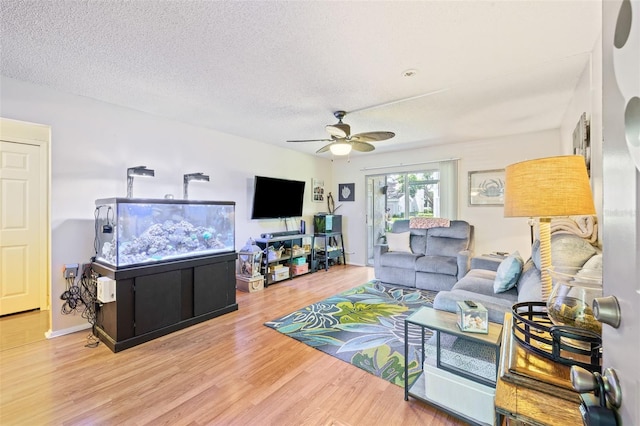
342	141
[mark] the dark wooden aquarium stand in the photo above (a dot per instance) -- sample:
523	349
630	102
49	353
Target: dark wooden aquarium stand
155	300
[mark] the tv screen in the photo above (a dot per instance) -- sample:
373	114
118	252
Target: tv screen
277	198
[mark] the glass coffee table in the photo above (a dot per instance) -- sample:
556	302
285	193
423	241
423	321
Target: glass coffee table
458	391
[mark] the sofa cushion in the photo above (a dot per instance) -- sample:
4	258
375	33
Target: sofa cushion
398	259
567	250
458	229
508	273
448	241
418	242
529	287
437	265
496	304
399	241
443	246
418	239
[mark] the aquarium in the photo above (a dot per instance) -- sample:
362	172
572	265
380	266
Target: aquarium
130	231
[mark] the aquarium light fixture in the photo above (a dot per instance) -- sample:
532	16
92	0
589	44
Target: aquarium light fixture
193	176
137	171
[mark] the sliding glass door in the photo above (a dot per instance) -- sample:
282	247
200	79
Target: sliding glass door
393	196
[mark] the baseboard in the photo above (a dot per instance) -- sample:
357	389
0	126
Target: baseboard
51	334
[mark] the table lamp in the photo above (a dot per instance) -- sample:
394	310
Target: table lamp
543	188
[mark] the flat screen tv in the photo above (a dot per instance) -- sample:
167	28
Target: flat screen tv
275	198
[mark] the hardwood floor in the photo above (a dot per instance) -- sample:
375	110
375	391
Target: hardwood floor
231	370
22	329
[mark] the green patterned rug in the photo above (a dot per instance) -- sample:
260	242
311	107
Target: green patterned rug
363	326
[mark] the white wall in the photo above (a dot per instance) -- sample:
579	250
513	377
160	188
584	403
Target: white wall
92	145
493	232
588	98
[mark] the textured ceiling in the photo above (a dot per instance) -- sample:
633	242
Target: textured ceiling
276	70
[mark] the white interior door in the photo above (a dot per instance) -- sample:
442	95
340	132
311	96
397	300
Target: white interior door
23	229
621	189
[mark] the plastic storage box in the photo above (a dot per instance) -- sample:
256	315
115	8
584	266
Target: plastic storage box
465	396
299	269
473	319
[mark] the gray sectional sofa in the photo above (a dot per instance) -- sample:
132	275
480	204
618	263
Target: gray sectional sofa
431	259
568	253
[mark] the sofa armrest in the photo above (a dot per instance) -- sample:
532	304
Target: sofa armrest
378	250
463	262
486	262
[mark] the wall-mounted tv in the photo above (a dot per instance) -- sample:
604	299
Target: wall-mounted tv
275	198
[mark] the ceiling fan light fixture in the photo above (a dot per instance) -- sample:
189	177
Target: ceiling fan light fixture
340	148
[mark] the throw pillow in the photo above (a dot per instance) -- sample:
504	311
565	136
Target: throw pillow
567	250
508	273
399	241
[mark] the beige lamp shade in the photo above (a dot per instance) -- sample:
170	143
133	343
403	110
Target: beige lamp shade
546	187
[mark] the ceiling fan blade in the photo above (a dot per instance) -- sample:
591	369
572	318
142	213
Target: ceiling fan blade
372	136
362	146
338	130
311	140
323	149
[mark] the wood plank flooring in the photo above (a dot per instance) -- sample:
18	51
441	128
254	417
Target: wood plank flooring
22	329
231	370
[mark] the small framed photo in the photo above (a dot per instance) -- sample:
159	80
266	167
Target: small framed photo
346	192
486	187
318	190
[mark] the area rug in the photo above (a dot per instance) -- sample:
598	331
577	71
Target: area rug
363	326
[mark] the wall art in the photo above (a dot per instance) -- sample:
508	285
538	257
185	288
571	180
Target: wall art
346	192
317	193
486	187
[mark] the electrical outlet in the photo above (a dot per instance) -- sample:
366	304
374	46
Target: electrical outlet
86	269
70	270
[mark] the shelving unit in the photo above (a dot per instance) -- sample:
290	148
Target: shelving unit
304	241
328	251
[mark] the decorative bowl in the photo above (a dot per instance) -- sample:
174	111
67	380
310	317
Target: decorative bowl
571	300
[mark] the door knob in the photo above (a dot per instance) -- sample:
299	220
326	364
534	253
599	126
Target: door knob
607	310
606	385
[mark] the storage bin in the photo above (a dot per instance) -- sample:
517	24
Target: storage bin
249	284
277	267
467	397
280	275
299	269
298	261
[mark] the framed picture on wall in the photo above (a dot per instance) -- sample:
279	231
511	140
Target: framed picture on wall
486	187
582	142
346	192
317	192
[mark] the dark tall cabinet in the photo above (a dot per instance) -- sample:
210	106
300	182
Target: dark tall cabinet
155	300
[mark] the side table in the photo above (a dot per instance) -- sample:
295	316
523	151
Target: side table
532	389
456	391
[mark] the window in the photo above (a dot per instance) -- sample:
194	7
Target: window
430	193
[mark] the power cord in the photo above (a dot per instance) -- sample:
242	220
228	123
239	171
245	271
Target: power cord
82	299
